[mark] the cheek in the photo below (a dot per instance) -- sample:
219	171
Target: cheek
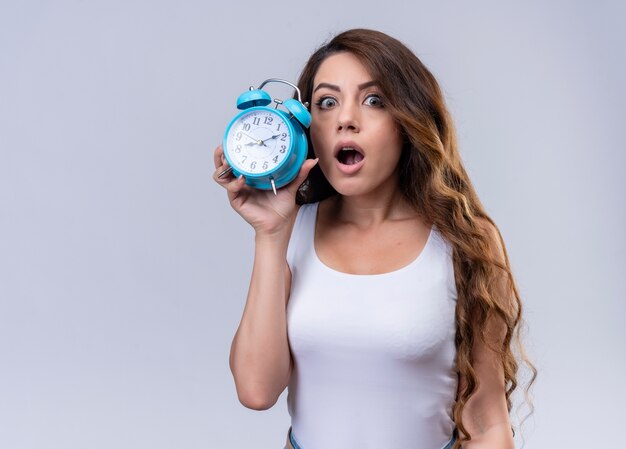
318	138
385	126
392	142
314	134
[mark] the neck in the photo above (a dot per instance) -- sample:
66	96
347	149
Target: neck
372	209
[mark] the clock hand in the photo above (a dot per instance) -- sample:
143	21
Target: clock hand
270	138
243	132
256	141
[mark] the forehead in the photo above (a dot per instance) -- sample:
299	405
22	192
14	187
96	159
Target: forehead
342	69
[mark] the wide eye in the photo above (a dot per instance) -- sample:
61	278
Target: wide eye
373	100
326	102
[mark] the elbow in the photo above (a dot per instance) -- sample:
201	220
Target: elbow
256	392
255	400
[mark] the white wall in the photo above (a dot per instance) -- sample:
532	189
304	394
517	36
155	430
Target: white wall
123	271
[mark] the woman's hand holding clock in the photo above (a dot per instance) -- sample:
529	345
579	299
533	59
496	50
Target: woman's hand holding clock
265	212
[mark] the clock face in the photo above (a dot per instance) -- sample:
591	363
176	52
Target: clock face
258	141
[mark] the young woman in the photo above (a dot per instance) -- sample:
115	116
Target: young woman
381	292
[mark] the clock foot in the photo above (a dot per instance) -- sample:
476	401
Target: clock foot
225	172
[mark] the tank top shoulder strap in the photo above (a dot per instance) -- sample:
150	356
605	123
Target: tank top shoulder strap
302	233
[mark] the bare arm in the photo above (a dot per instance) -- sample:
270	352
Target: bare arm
260	359
486	415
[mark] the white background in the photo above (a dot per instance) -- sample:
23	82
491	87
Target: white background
123	270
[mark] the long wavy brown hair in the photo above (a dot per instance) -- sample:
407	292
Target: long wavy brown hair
432	179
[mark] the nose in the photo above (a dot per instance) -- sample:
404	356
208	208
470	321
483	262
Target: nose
349	117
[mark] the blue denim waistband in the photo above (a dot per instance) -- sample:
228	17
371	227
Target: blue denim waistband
293	440
296	446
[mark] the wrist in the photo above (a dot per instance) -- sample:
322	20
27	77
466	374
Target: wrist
276	235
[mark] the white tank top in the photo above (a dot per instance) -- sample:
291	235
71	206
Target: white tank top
374	355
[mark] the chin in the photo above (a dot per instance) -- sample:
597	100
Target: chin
351	187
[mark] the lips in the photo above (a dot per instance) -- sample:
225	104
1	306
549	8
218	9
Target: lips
349	157
348	153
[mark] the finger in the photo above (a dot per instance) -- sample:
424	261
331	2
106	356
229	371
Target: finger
305	170
218	156
236	185
303	173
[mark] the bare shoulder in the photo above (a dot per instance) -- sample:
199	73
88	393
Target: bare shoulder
486	224
495	241
496	329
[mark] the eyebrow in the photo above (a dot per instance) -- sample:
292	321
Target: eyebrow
337	89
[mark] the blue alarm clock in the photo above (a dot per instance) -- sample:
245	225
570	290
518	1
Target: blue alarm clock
266	144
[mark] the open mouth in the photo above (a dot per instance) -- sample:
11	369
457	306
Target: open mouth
349	156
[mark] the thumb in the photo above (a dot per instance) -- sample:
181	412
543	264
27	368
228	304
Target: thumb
304	172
